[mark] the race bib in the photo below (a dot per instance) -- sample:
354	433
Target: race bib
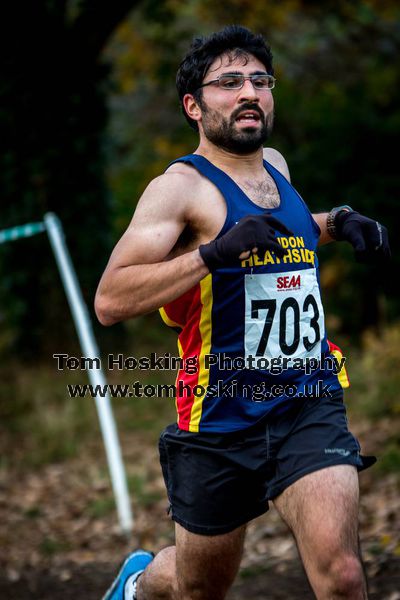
283	315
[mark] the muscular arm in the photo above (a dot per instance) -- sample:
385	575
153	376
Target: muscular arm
139	278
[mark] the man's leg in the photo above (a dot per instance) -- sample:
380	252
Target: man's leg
199	567
321	509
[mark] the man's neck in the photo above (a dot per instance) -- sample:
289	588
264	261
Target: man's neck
237	164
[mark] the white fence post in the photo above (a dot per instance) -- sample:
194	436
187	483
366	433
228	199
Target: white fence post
89	348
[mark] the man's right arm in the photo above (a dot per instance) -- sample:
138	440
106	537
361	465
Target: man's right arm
141	275
138	278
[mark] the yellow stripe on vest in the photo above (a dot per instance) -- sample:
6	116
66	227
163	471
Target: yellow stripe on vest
342	375
205	333
167	320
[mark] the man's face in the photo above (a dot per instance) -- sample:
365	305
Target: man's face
238	120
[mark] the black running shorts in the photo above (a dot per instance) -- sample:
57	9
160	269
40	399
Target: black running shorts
218	481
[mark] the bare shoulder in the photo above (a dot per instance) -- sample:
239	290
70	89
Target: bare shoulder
183	174
169	194
175	179
176	182
276	159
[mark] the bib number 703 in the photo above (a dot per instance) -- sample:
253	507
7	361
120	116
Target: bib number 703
286	321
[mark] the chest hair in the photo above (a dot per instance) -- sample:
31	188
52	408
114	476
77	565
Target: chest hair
264	193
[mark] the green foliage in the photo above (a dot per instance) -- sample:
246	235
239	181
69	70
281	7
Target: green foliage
36	410
390	460
138	486
337	117
50	546
375	373
52	119
337	120
100	507
374	392
45	426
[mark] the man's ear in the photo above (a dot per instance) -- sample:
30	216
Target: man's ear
192	109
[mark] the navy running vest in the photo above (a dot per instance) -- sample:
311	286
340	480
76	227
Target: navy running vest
252	337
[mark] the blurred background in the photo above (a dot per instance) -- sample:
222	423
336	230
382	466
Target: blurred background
88	115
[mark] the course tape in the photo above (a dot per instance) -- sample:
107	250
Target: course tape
21	231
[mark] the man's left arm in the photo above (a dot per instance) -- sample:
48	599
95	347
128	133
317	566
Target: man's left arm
368	237
320	219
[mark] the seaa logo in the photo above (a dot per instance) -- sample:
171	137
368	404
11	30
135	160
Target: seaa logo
288	282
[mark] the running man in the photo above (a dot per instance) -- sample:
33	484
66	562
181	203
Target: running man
226	248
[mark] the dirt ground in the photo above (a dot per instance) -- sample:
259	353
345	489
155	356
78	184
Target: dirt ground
59	539
279	583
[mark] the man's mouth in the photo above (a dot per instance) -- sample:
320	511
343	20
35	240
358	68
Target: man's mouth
248	117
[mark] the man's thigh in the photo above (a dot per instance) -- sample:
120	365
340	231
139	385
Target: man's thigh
310	438
207	565
321	509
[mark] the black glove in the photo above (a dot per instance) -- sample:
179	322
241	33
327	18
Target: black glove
368	237
253	231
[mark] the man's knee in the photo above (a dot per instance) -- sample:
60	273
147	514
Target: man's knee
346	576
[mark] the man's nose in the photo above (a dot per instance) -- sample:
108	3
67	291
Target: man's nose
248	92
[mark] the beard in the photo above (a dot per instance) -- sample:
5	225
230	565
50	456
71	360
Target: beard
223	133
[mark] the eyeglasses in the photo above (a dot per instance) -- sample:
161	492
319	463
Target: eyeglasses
236	81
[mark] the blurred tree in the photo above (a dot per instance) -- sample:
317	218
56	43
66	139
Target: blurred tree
52	119
337	117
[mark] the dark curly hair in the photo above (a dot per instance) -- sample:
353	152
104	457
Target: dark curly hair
238	41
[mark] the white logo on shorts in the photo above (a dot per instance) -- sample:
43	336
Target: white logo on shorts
340	451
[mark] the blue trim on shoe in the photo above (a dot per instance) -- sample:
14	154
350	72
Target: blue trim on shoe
134	563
